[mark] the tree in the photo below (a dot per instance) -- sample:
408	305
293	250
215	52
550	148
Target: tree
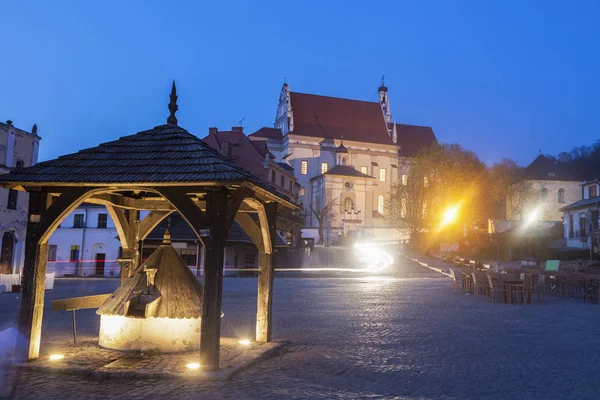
322	213
440	177
509	188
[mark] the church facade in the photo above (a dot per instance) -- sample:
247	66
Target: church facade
346	155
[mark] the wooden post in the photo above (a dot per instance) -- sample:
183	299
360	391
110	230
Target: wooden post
210	335
128	228
265	277
33	281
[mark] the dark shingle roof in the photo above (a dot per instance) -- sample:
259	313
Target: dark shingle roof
345	170
581	203
165	153
546	169
180	230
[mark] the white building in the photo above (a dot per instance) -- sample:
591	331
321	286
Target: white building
580	219
553	188
314	134
85	244
18	149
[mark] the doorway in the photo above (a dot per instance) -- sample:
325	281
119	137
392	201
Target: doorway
100	263
6	256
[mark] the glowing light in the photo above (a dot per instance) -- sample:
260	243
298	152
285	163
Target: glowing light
56	357
533	215
450	215
245	342
193	365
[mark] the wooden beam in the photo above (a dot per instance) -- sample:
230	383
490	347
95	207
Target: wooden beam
187	208
252	229
45	213
151	221
121	225
266	275
79	303
220	218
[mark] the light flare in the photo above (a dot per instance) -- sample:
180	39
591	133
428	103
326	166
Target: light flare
56	357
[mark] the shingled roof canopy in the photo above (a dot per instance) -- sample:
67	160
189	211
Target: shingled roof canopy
164	169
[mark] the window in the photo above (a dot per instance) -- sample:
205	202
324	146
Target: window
425	181
52	252
74	253
282	181
343	160
20	164
290	185
592	191
561	196
323	167
13	195
302	191
382	174
364	170
582	225
102	219
78	221
189	257
380	204
348	204
571	227
273	176
304	167
405	180
544	195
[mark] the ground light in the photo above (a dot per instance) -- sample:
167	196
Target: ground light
192	365
245	342
56	357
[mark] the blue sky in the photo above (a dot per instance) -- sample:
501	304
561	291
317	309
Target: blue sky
502	78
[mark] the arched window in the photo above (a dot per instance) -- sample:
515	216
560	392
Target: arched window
561	196
380	204
348	204
544	195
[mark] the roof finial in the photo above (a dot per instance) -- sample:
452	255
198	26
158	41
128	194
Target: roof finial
173	105
382	88
167	237
34	130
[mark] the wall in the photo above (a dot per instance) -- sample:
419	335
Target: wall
16	145
550	209
92	240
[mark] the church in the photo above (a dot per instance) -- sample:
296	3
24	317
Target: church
346	155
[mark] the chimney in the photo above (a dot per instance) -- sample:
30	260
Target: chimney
237	129
213	130
9	122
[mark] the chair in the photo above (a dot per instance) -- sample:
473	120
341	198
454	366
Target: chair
524	291
540	287
479	283
493	289
454	282
573	285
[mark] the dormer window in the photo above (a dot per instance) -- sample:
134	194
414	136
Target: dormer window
592	191
20	164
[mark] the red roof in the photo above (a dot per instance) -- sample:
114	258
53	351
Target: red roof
412	138
331	117
267	133
244	152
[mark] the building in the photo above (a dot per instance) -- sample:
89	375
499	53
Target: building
254	157
86	243
552	188
345	154
18	149
580	219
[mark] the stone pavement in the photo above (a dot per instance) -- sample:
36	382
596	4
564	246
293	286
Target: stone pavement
400	336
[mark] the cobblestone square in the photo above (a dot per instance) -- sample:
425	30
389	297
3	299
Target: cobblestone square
404	335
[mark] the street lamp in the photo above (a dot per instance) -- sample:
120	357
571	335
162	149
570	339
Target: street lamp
450	215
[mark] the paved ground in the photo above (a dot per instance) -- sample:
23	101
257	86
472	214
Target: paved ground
399	336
